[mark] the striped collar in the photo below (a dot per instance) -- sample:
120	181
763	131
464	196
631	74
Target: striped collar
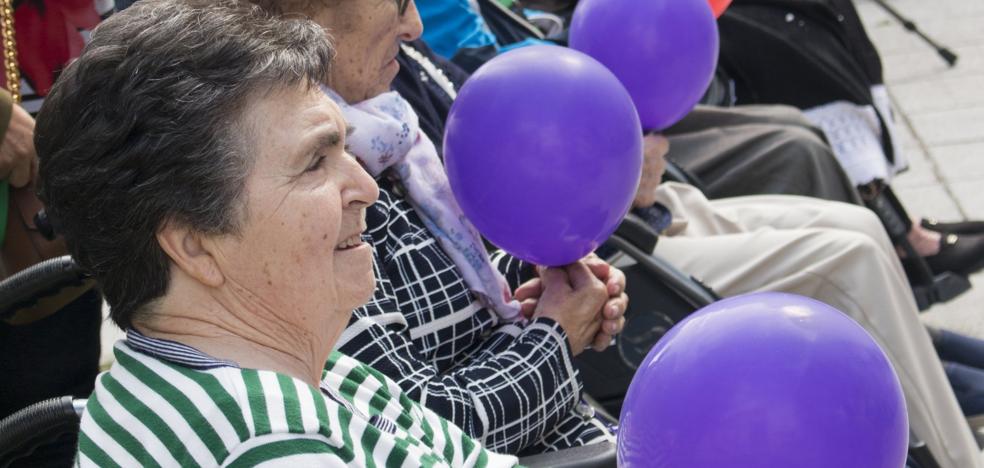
174	352
187	356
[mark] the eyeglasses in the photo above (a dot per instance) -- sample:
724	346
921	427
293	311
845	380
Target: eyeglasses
402	5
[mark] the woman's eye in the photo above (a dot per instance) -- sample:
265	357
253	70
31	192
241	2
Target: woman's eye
318	162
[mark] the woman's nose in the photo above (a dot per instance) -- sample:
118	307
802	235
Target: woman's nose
362	190
410	25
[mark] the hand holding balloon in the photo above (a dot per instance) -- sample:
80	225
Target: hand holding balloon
612	312
571	296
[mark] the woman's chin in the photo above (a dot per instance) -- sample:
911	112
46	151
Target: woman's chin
354	276
369	287
390	71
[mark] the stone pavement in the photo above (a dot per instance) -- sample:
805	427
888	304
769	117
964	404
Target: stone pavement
941	115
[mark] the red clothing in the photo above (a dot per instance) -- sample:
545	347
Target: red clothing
48	34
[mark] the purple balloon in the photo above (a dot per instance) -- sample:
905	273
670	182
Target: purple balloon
664	51
543	149
765	380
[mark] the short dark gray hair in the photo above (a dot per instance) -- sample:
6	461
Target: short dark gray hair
281	7
145	129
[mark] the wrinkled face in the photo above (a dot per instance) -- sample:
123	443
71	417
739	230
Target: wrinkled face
299	253
367	36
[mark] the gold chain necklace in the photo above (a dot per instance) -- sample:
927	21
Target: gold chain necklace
11	69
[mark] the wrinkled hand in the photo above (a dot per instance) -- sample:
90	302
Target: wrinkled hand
571	296
18	160
611	313
655	148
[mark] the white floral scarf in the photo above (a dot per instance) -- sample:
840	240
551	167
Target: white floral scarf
386	135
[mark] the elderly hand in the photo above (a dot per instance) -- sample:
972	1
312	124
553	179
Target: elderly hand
571	296
18	159
612	313
655	148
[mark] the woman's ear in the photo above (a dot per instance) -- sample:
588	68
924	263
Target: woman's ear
191	253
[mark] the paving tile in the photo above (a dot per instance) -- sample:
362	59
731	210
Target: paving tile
961	162
870	13
969	196
949	127
924	63
903	133
954	24
945	92
929	200
890	38
956	9
964	314
922	11
964	30
951	23
920	172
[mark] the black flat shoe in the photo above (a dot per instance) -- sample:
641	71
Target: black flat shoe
963	254
962	227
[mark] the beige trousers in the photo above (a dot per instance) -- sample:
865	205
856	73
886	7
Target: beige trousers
836	253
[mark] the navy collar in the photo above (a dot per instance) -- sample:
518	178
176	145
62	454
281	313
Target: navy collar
174	352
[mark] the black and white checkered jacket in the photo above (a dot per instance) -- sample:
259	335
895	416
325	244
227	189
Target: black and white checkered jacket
512	387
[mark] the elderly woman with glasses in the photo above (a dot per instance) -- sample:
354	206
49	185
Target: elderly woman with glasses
453	344
444	321
198	171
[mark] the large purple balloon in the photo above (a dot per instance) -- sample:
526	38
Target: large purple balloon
664	51
765	380
543	150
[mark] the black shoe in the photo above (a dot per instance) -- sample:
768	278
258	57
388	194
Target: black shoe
962	227
963	254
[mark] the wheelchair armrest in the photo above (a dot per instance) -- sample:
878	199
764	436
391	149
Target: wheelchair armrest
637	232
22	432
600	455
42	289
676	173
689	288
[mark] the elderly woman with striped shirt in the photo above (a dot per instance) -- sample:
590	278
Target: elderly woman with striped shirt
198	171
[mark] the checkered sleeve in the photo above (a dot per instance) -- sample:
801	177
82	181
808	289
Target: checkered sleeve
515	270
506	385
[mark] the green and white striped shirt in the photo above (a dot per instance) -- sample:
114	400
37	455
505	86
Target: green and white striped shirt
166	404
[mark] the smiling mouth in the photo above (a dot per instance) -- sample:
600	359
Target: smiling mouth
351	242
